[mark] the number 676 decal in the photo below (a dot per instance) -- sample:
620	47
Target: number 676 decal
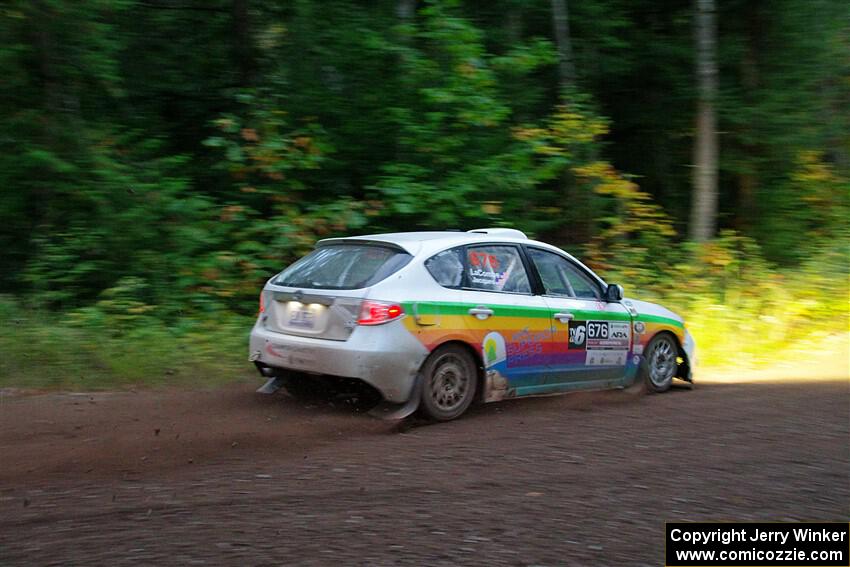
597	329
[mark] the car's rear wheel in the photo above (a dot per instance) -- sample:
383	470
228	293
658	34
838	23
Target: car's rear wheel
660	363
449	379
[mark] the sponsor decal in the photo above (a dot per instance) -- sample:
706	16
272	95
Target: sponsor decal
479	276
606	357
484	270
606	342
618	331
526	346
599	335
493	349
292	356
276	351
640	327
578	334
608	335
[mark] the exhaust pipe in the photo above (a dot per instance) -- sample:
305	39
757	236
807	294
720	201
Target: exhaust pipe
274	382
271	386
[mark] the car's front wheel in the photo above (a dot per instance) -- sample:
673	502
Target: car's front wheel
660	363
450	378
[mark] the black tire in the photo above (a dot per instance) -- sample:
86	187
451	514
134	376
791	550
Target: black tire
449	381
659	363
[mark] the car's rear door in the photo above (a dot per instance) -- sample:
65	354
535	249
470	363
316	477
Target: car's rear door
591	338
504	316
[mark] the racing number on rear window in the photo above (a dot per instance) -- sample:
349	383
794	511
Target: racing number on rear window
496	268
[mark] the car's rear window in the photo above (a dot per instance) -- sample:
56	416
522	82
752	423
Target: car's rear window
447	267
488	267
343	266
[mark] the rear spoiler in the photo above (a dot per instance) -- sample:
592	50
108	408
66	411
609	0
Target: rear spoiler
369	242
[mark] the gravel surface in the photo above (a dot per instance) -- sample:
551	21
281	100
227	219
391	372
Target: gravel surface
230	477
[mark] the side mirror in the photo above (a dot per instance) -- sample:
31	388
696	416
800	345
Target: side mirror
614	292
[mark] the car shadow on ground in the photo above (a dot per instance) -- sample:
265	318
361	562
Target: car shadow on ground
355	403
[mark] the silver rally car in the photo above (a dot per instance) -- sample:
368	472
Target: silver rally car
439	320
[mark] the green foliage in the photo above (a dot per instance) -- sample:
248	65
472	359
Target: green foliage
451	134
159	161
743	311
111	345
136	218
276	215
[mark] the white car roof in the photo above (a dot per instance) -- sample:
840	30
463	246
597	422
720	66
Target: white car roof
433	241
427	243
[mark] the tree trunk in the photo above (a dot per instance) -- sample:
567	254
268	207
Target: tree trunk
748	180
704	203
579	219
561	25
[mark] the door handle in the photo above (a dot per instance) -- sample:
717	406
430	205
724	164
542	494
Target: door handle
481	312
564	317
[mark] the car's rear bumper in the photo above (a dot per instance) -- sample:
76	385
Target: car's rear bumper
386	357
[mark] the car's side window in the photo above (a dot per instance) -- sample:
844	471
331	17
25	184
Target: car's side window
447	267
496	268
561	278
551	268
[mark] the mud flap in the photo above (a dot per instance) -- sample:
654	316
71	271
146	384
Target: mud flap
271	386
390	411
684	372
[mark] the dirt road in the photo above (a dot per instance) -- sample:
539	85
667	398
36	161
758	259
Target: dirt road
230	477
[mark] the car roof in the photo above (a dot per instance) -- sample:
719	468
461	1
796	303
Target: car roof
416	243
427	243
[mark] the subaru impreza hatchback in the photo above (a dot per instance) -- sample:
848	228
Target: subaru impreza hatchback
439	320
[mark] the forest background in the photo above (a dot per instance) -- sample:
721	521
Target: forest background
160	159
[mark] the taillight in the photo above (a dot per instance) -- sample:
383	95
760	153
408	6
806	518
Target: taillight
262	304
378	312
